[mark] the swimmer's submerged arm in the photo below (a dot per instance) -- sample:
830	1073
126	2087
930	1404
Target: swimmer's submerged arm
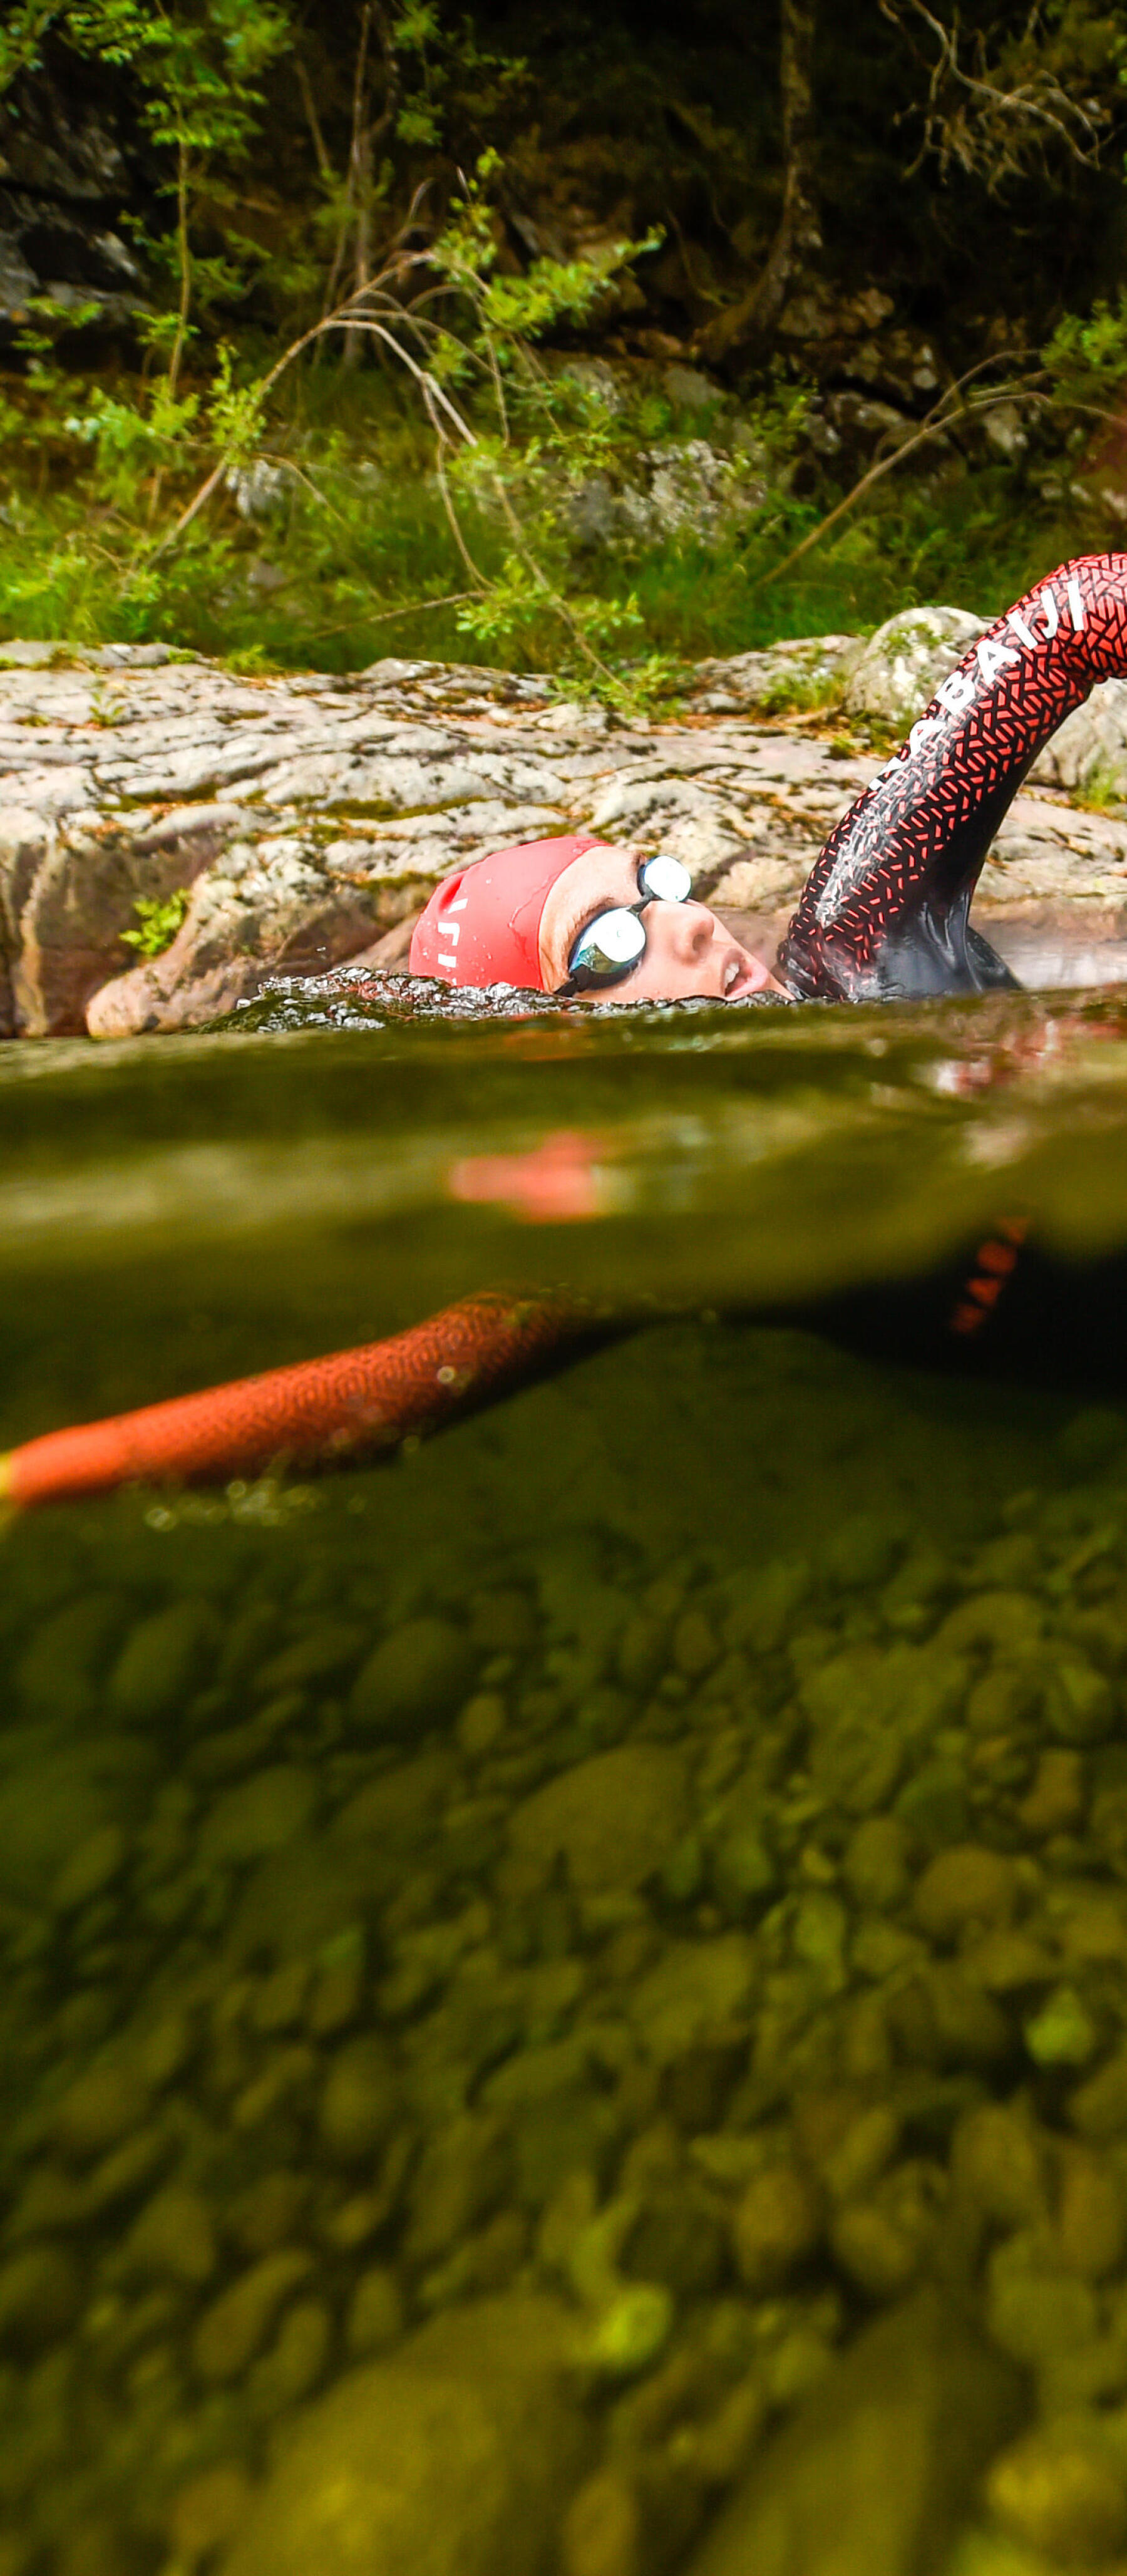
324	1412
885	910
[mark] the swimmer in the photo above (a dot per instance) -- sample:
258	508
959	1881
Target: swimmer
885	911
577	917
884	915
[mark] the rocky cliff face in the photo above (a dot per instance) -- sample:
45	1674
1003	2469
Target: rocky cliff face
310	816
64	184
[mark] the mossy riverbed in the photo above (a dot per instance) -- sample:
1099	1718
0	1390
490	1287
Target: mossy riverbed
565	2003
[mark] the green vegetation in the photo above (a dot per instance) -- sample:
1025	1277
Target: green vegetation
157	922
349	418
357	557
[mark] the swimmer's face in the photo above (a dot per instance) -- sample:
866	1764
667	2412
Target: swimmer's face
687	951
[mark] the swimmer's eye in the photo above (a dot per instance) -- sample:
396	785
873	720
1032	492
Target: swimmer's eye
608	947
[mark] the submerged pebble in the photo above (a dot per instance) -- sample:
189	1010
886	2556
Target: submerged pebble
1062	2492
416	1676
776	2226
359	2100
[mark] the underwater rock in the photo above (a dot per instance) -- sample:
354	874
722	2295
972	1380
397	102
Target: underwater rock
375	2314
207	2513
881	2242
1000	2163
876	1862
624	2337
313	1898
295	2361
174	2238
414	1678
39	2294
1061	2491
1036	2314
90	1869
602	2533
501	2013
98	2110
879	2464
776	2226
1056	1799
963	1886
60	1667
613	1819
1090	2225
461	2175
454	2457
160	1662
267	1810
359	2101
322	1655
235	2327
1079	1703
697	1992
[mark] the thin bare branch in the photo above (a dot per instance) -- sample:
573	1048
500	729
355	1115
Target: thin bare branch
991	140
936	425
320	148
344	319
384	616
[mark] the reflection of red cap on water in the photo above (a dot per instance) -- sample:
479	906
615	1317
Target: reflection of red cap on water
482	926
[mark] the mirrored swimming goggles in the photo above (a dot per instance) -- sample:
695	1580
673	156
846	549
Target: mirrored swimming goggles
608	948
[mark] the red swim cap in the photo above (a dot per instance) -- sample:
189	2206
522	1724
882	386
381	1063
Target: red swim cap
482	926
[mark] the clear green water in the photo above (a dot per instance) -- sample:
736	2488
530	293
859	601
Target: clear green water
229	1205
523	1966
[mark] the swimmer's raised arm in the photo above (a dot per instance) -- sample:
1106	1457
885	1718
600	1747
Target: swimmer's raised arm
884	913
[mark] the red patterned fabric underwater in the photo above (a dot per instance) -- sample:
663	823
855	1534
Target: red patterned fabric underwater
321	1412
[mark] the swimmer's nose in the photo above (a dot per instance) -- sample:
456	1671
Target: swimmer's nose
690	928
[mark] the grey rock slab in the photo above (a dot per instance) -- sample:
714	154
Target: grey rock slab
762	884
63	789
675	759
903	663
190	772
1090	747
276	909
67	890
875	2473
333	780
804	665
30	653
1052	853
628	802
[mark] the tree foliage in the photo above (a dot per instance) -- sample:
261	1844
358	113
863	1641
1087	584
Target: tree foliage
392	223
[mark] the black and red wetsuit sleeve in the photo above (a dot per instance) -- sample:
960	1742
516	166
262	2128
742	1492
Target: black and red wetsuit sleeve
884	914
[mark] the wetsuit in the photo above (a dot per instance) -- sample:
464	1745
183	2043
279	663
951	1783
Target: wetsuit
884	916
884	913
